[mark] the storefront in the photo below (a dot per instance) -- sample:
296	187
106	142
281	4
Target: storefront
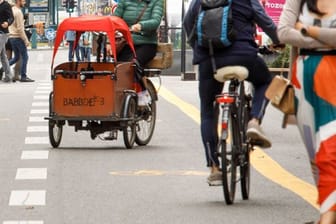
97	7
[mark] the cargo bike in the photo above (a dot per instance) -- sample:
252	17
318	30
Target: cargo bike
100	97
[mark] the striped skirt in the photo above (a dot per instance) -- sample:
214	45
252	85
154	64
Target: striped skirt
314	79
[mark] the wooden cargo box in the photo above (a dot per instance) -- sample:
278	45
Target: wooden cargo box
98	93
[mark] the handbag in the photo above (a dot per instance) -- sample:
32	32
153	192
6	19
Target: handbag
281	94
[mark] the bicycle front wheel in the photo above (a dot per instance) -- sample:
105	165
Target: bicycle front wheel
245	175
246	148
229	162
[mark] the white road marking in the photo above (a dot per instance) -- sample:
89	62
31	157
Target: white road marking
23	222
36	140
27	197
40	58
36	154
31	173
41	97
45	83
39	111
37	129
37	119
40	104
4	119
43	88
42	92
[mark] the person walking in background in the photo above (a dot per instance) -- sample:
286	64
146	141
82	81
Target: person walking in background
9	49
70	37
243	52
144	18
85	46
310	27
19	41
6	19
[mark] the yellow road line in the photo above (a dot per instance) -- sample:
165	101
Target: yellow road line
263	163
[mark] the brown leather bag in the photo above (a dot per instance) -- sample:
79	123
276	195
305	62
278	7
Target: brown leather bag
281	94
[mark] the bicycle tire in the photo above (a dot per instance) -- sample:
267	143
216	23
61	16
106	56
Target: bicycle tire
145	126
55	129
229	161
245	170
245	176
129	129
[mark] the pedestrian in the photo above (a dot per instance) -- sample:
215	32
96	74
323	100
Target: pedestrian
19	41
144	18
243	52
70	37
6	19
310	27
85	46
9	52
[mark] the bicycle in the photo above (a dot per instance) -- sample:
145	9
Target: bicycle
235	105
234	147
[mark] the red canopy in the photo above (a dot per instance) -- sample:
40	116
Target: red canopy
108	24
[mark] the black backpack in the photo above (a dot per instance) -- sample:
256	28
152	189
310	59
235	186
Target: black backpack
214	25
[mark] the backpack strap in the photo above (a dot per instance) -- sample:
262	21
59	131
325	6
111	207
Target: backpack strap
192	36
141	13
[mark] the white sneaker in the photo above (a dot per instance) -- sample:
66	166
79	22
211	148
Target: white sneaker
255	133
215	179
143	98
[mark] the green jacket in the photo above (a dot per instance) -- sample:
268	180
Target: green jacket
130	10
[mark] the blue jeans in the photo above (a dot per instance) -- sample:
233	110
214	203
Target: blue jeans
85	53
20	50
259	76
71	53
3	55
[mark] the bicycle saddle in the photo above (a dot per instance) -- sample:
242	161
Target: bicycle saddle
231	72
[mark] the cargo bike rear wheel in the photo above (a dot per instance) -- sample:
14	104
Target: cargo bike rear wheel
129	114
147	116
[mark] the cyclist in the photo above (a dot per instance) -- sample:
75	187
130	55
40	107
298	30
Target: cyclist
244	51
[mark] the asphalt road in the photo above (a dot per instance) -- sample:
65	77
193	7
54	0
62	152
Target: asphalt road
88	181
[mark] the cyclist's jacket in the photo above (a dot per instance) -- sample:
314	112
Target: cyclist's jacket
246	14
130	11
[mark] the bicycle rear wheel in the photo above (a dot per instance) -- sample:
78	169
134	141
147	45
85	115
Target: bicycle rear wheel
229	161
145	126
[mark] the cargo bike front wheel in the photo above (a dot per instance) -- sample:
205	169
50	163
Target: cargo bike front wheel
55	132
55	127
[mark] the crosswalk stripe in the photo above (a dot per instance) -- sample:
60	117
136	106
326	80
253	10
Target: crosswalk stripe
31	173
34	154
27	197
36	140
23	222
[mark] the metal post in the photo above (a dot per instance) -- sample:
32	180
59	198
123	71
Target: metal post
183	44
53	7
190	75
79	10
